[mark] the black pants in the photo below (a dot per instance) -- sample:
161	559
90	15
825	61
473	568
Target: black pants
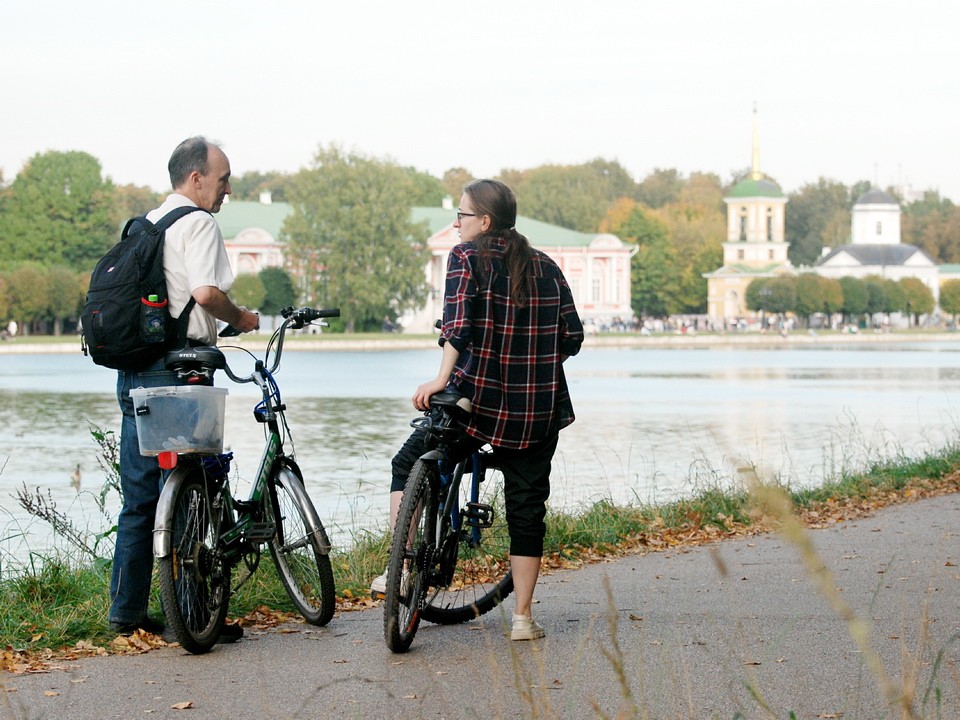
526	484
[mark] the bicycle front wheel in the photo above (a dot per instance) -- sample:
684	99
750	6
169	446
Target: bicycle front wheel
412	558
194	577
300	548
475	572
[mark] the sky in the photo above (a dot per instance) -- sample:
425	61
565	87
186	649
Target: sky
848	90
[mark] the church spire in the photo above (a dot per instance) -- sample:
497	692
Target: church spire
755	173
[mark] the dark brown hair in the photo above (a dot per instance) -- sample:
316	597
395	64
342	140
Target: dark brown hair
497	201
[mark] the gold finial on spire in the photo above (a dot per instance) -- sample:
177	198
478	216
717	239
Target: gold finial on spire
755	173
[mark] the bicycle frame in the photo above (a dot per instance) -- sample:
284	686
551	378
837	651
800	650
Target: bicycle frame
269	411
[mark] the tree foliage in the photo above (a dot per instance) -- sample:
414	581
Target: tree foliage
917	298
933	225
950	297
58	211
248	291
251	184
818	214
351	238
571	196
279	291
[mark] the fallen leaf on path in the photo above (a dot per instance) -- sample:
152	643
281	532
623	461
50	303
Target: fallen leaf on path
187	705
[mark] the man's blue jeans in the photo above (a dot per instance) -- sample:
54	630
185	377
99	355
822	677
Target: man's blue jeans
141	481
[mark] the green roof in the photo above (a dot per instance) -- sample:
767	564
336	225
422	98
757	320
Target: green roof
755	188
540	234
238	215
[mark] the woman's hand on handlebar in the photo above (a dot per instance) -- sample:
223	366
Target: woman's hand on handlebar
421	398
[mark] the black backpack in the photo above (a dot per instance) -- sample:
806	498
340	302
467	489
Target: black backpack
126	318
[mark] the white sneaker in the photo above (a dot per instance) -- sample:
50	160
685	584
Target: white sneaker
526	628
378	587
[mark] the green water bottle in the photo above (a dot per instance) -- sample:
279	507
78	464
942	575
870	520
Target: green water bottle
153	313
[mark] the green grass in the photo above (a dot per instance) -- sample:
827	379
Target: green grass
56	600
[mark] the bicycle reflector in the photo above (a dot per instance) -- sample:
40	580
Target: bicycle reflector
167	460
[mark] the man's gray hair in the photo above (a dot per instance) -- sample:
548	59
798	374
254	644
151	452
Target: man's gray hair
189	156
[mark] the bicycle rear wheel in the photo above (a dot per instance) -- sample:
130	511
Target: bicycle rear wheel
475	572
300	548
194	578
411	558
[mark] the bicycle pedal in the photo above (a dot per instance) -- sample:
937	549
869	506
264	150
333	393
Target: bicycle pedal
260	531
478	515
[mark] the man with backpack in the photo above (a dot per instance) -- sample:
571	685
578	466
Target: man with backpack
195	266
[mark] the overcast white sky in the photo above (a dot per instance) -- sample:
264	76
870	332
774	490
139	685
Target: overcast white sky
845	89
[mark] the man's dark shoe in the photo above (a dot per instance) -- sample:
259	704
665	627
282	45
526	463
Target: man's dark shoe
147	624
231	633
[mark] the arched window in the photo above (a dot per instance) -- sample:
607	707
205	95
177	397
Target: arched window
879	228
743	224
770	224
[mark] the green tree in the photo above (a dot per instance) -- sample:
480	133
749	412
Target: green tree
949	298
29	290
130	201
454	180
249	185
58	211
67	291
351	239
918	300
856	297
429	192
4	300
817	214
571	196
248	291
279	290
933	225
831	295
775	295
660	188
876	294
809	300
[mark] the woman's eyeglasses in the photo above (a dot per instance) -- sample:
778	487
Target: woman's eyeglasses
462	215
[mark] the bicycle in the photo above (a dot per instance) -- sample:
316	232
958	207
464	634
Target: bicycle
202	532
449	558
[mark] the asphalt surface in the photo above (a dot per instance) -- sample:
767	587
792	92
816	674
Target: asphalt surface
707	632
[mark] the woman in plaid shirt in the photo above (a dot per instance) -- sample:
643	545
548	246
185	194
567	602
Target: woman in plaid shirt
509	322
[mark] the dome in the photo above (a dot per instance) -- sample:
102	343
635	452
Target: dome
755	188
875	196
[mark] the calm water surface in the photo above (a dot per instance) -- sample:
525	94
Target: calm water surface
652	424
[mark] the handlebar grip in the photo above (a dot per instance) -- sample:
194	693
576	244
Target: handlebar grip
229	331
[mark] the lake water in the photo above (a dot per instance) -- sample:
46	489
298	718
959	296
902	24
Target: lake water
652	423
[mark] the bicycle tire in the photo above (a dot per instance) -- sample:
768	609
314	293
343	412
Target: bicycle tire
301	556
194	578
480	577
414	528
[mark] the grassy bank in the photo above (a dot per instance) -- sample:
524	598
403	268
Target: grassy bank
58	603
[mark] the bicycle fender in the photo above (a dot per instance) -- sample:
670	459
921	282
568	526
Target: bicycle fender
163	522
433	455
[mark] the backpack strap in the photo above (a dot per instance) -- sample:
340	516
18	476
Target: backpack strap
171	217
162	225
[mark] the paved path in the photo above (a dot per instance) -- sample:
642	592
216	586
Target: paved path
696	643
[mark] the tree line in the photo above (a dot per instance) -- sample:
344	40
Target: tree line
808	295
350	240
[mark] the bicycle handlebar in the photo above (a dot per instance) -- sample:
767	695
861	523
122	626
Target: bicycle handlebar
295	319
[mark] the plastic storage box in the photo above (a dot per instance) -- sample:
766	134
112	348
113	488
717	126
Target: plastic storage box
183	419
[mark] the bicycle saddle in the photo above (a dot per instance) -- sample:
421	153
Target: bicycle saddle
202	360
456	405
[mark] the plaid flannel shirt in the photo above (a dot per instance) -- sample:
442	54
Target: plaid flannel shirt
510	362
